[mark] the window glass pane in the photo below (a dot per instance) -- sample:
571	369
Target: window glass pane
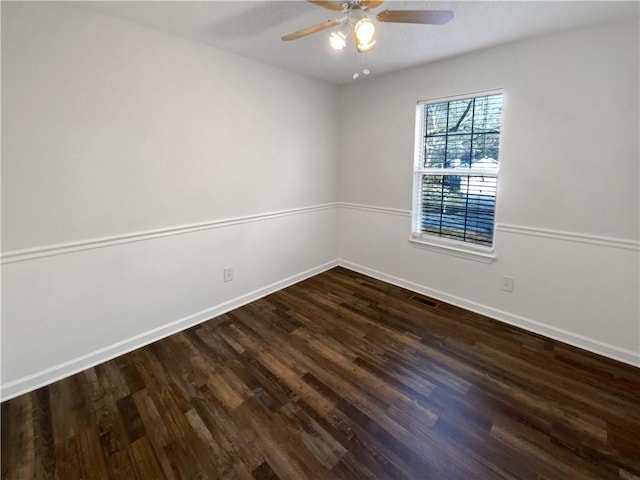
484	151
461	207
488	113
434	156
460	116
458	151
436	119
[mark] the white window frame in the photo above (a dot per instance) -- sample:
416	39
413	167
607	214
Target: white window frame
436	243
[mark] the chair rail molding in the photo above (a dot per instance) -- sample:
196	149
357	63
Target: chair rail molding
77	246
554	234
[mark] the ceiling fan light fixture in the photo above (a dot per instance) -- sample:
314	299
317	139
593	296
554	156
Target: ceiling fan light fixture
338	40
364	32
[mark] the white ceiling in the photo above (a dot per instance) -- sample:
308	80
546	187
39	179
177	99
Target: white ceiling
253	29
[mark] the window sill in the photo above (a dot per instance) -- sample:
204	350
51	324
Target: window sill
453	249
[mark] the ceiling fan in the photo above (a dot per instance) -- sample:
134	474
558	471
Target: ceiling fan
356	20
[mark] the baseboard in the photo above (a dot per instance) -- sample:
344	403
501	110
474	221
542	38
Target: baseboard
71	367
595	346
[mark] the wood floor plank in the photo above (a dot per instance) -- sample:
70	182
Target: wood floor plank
339	376
91	455
43	442
144	461
287	458
225	429
18	440
157	433
120	467
67	460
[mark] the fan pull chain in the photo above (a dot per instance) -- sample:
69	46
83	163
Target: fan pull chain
365	70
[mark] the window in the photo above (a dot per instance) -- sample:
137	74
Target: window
456	171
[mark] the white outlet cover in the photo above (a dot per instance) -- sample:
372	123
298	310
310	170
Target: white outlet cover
507	283
228	274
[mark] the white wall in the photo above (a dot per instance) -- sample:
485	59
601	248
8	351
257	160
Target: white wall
135	166
568	193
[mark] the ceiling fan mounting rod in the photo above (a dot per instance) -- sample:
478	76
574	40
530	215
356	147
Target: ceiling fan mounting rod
354	15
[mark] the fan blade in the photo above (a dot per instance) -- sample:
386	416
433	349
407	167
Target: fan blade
433	17
338	7
308	31
371	4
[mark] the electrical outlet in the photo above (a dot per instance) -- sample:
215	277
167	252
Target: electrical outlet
506	283
228	274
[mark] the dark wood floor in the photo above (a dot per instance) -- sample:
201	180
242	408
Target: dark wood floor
338	377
